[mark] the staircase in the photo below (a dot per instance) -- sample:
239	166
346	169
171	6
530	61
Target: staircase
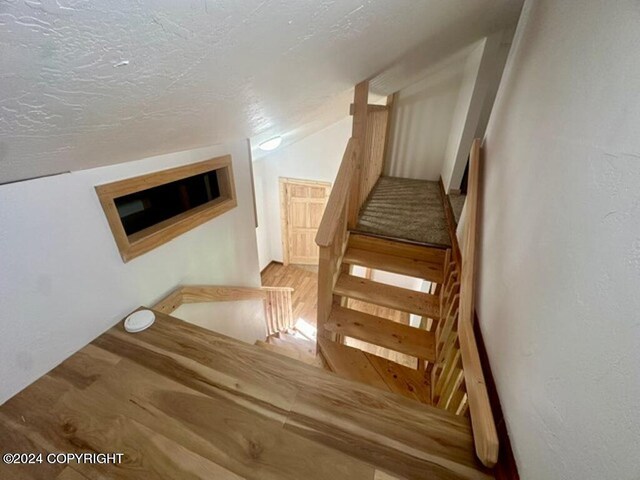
447	373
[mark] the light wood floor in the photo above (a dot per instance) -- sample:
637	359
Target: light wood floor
182	402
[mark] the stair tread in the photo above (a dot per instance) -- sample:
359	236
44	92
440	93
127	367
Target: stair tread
378	372
291	352
412	267
382	332
397	248
350	363
305	346
397	298
402	380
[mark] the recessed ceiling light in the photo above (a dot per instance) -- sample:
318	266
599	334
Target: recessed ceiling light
270	144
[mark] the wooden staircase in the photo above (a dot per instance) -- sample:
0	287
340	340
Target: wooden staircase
448	374
344	322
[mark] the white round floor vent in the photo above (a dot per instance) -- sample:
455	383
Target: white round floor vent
139	321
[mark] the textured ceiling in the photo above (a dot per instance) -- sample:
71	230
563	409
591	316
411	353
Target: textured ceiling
89	83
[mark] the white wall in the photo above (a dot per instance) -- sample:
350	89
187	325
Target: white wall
482	74
461	114
560	242
316	157
243	319
62	281
421	122
435	119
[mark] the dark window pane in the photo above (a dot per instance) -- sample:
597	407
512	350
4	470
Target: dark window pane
144	209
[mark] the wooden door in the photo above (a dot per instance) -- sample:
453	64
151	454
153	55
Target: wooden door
302	204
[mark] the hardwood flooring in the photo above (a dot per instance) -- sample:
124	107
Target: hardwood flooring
183	402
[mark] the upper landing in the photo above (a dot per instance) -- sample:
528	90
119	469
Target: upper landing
406	209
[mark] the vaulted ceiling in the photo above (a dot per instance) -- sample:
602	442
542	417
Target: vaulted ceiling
87	83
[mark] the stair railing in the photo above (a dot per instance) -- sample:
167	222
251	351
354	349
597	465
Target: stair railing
278	308
333	233
457	378
362	164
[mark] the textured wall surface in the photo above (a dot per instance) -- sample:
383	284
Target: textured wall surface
421	121
560	245
84	83
62	281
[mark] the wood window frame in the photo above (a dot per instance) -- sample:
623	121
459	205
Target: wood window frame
136	244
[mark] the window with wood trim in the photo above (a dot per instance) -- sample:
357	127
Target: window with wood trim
147	211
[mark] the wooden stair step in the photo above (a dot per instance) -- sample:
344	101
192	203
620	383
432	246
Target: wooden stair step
358	366
411	267
402	380
402	299
350	363
382	332
397	248
304	346
281	348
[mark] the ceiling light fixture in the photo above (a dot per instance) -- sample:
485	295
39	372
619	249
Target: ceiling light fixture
270	144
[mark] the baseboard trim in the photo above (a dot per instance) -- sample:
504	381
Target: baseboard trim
506	468
269	264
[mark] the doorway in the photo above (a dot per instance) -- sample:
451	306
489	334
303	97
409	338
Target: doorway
302	204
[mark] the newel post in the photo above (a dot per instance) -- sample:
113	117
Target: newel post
358	132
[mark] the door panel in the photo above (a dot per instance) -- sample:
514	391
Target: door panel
302	205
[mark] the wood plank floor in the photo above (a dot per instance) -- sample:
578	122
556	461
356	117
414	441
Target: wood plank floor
183	402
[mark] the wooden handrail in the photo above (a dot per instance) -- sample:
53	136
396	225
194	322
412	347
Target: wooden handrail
277	301
339	195
484	429
215	293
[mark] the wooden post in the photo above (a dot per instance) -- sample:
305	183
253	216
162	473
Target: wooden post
359	132
326	272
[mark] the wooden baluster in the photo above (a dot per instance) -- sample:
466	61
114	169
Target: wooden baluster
289	309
